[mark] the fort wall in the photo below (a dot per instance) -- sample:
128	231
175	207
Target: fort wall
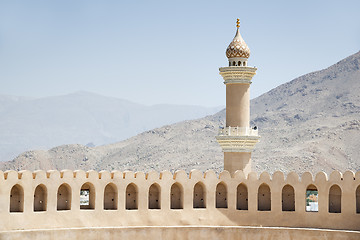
182	233
51	200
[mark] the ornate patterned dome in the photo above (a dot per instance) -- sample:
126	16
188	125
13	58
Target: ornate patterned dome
238	47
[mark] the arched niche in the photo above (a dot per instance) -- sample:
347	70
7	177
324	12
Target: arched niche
154	196
176	195
131	197
40	198
288	198
221	195
87	196
335	199
242	197
311	197
17	199
199	198
264	198
64	197
110	197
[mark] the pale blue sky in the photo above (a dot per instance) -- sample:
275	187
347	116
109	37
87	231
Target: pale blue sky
166	51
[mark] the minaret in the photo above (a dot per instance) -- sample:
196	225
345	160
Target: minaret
237	139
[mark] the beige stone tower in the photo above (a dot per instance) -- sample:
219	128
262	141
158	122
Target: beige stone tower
237	138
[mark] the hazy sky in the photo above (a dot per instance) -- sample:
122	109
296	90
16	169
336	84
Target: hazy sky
166	51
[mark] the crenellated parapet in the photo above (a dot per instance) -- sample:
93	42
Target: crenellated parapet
51	200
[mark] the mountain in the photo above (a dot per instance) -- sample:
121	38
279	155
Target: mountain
311	123
82	117
7	101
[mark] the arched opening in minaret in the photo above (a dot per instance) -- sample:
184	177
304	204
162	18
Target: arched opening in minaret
110	197
17	199
357	195
244	63
64	197
40	198
335	199
221	196
288	198
264	198
242	197
87	196
239	63
234	63
131	197
199	200
176	195
312	203
154	196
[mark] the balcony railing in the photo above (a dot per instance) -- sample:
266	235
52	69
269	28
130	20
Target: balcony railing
238	131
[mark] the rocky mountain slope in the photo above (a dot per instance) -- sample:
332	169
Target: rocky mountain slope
309	124
80	117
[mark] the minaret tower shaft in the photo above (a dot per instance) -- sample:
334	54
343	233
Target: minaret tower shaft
237	139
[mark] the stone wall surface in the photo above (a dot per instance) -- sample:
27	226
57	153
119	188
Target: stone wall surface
182	233
51	200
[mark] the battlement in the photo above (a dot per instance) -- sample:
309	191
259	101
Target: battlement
50	200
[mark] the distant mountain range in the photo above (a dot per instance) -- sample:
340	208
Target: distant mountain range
311	123
82	117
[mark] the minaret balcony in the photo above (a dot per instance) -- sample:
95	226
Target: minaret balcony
237	139
237	74
238	131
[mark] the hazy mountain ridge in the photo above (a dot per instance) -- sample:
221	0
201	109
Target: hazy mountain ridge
7	101
311	123
81	117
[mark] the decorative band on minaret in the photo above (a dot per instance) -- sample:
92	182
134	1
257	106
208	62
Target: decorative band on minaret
237	138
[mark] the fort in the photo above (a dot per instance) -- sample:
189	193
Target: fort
51	200
236	204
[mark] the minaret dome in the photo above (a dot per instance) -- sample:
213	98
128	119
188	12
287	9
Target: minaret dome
238	52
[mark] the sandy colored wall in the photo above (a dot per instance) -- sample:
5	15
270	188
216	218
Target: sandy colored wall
192	212
182	233
238	105
237	160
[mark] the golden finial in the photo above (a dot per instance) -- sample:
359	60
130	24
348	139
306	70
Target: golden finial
237	23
